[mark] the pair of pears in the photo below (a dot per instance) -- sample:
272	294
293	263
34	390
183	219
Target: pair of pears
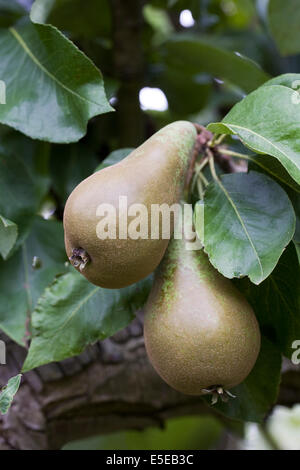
201	335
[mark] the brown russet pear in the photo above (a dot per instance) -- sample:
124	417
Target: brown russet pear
200	333
154	173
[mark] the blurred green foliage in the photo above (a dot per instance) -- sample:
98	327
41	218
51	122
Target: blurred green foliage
180	433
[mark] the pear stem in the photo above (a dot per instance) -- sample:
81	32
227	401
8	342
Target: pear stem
217	140
251	158
190	171
203	137
198	173
202	164
202	177
212	165
200	188
232	153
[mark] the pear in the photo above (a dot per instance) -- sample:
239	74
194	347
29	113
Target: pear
201	335
154	173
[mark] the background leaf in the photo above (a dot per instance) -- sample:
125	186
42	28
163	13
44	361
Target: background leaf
276	302
8	236
73	313
69	165
89	17
8	393
20	284
160	22
53	95
245	233
10	12
284	25
24	180
196	54
186	92
114	157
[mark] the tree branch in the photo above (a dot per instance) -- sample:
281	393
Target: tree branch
110	387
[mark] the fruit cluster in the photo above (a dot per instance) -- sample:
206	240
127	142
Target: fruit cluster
201	335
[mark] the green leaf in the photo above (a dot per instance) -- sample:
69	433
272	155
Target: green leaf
114	157
289	80
52	96
86	18
267	121
23	181
284	22
273	167
245	232
8	393
160	21
276	301
292	81
73	313
256	395
10	12
69	166
41	10
20	284
8	236
196	54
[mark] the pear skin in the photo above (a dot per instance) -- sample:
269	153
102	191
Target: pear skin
154	173
200	332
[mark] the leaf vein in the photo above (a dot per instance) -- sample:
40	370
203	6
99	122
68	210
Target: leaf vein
37	62
242	223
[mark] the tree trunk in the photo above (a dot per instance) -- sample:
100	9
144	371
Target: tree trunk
129	69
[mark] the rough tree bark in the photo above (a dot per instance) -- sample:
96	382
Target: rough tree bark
110	387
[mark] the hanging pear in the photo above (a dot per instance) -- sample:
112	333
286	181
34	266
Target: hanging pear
154	173
201	335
